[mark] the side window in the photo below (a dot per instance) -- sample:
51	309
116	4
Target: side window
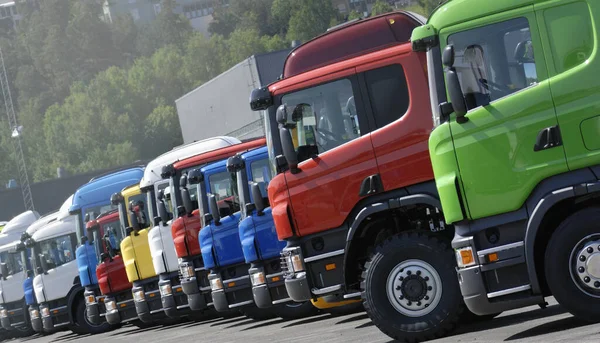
388	93
323	117
58	251
494	61
570	33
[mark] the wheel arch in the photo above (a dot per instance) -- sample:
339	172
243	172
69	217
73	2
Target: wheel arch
74	297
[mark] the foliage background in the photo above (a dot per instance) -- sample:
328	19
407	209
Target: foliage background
92	95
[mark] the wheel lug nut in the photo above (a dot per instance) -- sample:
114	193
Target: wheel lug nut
401	297
418	272
426	297
418	303
599	247
581	269
408	272
590	250
426	305
398	288
582	258
409	303
429	288
401	279
426	278
586	279
596	284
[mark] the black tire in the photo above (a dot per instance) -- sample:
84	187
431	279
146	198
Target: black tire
294	310
561	280
83	326
258	314
388	257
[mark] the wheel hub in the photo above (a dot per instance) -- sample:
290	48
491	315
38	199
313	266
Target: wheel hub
585	258
414	288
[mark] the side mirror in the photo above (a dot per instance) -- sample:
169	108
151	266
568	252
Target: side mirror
260	99
195	176
250	208
44	264
84	239
86	218
454	91
235	163
214	209
185	196
207	219
116	198
128	231
105	256
287	144
133	221
29	243
257	198
39	270
90	236
20	246
4	270
162	212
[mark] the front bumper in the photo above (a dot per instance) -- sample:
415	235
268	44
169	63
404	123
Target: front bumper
53	318
122	308
236	293
95	310
175	304
196	286
35	318
273	290
493	287
12	316
150	307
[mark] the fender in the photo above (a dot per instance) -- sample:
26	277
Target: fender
537	215
75	294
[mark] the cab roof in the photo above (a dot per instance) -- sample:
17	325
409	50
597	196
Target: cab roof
99	190
40	223
57	228
202	158
255	152
20	223
154	168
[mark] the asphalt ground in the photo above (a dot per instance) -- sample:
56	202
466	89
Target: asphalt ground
531	324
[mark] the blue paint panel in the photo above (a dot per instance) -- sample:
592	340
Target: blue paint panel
247	238
28	289
206	247
226	241
86	264
269	245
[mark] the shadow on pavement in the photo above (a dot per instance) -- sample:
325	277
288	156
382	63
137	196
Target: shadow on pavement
353	319
551	327
265	323
365	325
308	320
247	321
229	321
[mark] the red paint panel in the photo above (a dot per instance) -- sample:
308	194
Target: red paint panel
219	154
112	277
278	197
185	234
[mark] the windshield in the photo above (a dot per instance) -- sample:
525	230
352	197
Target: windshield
224	187
192	189
13	260
137	200
107	238
93	212
57	251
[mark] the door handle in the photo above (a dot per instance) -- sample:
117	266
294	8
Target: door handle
370	185
548	138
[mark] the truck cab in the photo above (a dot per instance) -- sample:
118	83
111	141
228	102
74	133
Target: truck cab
14	314
91	200
514	150
190	207
164	295
354	195
12	273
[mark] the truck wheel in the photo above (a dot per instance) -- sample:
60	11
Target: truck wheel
24	331
83	326
410	288
572	264
256	313
293	310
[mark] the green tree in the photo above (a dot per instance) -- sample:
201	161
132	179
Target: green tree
124	36
168	28
354	15
380	7
164	123
307	19
244	14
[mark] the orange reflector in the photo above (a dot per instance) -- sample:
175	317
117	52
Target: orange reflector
275	279
492	257
12	313
467	257
101	300
231	284
178	289
152	295
330	266
123	305
55	311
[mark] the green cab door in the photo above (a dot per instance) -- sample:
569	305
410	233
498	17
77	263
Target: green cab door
500	64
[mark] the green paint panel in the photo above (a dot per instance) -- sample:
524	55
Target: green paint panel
590	131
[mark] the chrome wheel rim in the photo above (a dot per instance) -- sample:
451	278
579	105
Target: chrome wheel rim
585	265
414	288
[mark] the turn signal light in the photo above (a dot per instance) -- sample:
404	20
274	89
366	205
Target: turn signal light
464	257
330	266
492	257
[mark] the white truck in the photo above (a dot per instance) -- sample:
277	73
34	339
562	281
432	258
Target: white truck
16	267
10	233
220	106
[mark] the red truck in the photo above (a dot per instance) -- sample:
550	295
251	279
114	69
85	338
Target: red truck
347	128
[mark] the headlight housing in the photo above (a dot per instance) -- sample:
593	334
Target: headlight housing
216	284
139	296
257	279
34	314
186	270
465	257
45	312
165	290
293	260
90	299
3	313
110	305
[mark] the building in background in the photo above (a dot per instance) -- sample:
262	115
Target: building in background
199	12
8	11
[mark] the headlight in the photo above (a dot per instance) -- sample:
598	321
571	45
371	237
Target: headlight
295	261
165	290
139	296
464	257
257	279
110	306
187	271
34	314
90	299
45	312
216	284
3	313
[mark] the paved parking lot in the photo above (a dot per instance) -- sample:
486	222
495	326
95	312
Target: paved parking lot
531	324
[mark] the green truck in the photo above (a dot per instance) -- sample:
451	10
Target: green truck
516	148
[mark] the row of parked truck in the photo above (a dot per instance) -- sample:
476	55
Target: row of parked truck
438	171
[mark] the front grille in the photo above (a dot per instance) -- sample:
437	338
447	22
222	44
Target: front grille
284	266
